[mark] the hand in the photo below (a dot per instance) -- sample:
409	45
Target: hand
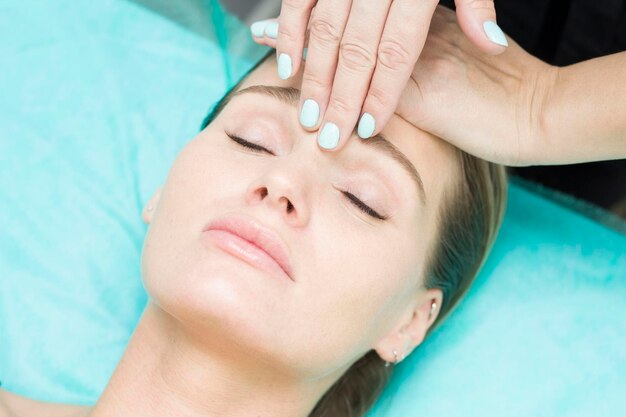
491	107
360	56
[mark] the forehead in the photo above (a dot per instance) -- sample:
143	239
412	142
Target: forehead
432	157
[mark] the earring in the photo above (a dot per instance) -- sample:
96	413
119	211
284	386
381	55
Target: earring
433	307
395	359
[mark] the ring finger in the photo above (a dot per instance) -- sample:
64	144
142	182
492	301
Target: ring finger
355	66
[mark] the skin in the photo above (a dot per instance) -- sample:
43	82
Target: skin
523	111
358	59
220	337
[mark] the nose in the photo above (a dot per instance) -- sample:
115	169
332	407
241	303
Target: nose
282	187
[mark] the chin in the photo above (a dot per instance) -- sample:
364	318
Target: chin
214	294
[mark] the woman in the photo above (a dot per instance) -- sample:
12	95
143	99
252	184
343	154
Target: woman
370	251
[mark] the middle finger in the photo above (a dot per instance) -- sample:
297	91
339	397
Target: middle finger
325	31
357	60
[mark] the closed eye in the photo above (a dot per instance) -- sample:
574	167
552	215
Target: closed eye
353	199
364	207
249	145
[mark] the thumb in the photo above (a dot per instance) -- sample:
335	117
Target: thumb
477	19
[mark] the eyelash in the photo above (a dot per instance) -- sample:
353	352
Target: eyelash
357	203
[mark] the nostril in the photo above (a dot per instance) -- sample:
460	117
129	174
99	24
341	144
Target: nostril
289	207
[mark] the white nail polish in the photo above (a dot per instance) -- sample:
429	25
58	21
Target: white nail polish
367	125
258	28
271	30
329	136
284	66
310	113
494	33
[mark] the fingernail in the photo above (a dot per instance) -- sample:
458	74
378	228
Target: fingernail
271	30
494	33
284	66
310	113
258	28
329	137
304	52
367	125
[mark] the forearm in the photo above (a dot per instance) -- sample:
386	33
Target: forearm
584	116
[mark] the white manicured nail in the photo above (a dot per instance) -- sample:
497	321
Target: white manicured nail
271	30
494	33
367	125
310	113
329	137
284	66
258	28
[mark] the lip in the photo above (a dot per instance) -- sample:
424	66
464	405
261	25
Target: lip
252	241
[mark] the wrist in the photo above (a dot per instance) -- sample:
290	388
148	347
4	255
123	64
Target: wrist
584	114
537	140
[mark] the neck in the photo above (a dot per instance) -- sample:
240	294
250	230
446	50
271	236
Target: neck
166	371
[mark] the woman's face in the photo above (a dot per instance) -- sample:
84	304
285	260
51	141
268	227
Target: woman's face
357	279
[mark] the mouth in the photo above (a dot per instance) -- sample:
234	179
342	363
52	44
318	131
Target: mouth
249	240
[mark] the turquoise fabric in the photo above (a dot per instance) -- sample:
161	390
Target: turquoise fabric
96	100
542	331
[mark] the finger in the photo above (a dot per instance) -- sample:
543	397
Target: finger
477	19
259	36
292	24
325	32
357	60
257	30
398	51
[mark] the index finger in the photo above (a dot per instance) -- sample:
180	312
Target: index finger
292	24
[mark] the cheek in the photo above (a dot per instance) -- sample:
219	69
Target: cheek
356	288
197	179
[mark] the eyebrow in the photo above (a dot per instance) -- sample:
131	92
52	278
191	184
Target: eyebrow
291	96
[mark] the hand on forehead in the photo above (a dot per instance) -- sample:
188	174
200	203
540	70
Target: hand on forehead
432	157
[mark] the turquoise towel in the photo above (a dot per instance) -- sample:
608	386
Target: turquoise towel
96	100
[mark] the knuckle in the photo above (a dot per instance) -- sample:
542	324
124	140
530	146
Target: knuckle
355	57
341	105
287	33
313	82
323	31
379	97
393	55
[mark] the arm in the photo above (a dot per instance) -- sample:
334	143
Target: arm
585	113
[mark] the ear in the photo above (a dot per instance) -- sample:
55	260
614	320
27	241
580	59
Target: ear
151	205
412	328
